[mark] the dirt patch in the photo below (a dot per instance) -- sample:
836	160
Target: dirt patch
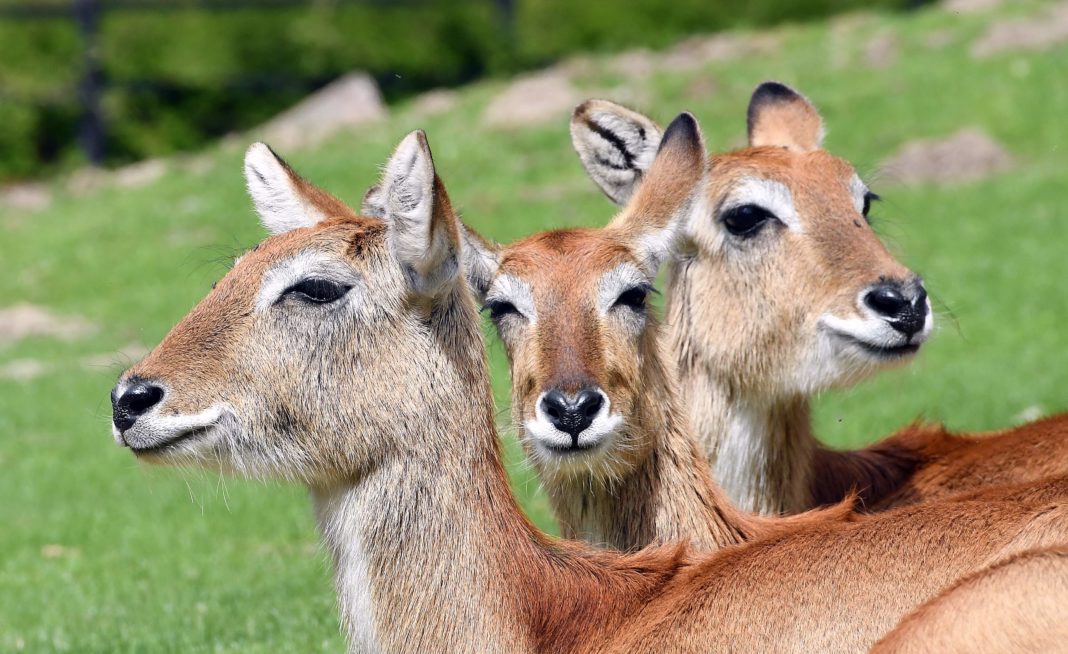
882	51
25	320
938	39
533	99
56	551
967	156
436	101
139	174
31	196
22	370
1035	33
703	50
970	6
634	63
347	102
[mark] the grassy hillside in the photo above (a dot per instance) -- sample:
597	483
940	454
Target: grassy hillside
98	554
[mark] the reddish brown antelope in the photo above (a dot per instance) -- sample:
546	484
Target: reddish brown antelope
345	352
782	290
1019	606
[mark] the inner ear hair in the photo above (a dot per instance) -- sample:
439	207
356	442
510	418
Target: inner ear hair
779	116
283	199
373	204
481	258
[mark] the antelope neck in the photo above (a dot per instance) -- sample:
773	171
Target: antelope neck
668	496
761	450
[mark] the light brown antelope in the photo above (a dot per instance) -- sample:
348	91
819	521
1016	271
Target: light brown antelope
1018	606
345	352
782	290
594	401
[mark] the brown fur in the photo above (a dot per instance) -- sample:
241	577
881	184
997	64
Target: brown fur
1019	606
390	423
653	486
744	326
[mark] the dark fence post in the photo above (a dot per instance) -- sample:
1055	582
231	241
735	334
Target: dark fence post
506	18
91	134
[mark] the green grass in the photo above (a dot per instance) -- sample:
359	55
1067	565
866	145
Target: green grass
154	560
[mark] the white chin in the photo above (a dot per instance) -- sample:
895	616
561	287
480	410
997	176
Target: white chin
874	338
848	351
156	435
555	446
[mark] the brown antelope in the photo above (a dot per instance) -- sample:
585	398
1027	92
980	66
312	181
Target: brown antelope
1018	606
782	290
595	403
345	352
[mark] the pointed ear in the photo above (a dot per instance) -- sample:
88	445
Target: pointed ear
653	221
282	198
616	146
481	258
780	116
424	232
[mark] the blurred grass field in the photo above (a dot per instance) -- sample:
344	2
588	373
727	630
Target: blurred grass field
99	554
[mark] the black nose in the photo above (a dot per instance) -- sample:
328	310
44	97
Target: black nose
904	308
139	397
572	416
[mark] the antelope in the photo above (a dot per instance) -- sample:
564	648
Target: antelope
1018	606
345	352
595	403
782	290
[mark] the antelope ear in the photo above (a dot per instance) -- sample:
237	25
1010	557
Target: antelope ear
616	146
780	116
283	200
481	258
373	203
654	219
424	232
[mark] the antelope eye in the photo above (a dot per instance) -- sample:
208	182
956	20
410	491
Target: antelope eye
746	220
869	197
499	309
633	297
317	291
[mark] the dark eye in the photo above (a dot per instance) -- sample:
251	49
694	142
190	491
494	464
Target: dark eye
746	220
869	197
318	291
499	309
633	297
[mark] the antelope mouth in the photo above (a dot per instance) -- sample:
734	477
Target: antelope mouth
171	443
573	449
880	350
155	434
549	442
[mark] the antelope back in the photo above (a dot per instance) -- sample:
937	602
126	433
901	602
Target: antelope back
782	286
1019	606
330	296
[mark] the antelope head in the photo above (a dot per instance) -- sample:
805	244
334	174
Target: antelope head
570	308
332	310
781	286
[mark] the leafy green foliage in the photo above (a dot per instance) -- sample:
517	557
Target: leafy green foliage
181	76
